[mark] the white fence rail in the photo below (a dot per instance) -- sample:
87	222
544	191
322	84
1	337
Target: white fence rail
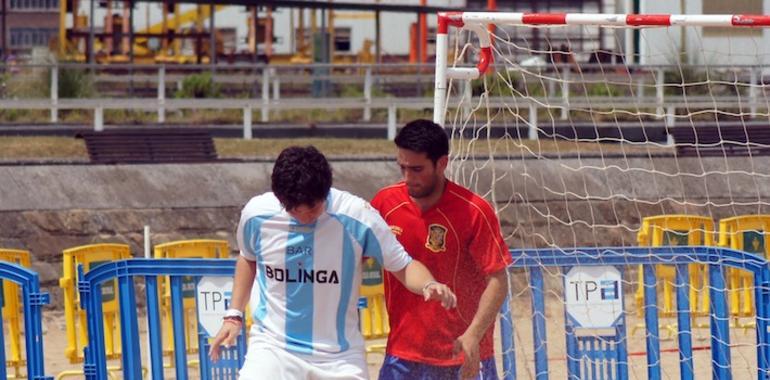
648	84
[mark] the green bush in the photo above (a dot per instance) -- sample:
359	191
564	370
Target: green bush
198	86
357	91
686	81
604	90
74	83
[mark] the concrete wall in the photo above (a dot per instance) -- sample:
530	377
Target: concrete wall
542	202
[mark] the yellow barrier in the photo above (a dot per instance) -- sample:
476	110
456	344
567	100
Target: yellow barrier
12	312
674	230
192	249
744	233
90	256
373	317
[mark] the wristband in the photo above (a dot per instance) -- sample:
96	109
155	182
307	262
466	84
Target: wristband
233	313
233	318
429	283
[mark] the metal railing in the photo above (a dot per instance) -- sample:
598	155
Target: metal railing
271	88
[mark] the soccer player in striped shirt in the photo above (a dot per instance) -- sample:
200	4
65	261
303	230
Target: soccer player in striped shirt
301	250
456	234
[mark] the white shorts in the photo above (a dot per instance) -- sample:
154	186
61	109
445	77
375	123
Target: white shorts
267	362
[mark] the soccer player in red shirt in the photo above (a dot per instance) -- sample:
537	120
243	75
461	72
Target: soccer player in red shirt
456	234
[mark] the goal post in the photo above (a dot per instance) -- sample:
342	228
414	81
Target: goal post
633	185
477	22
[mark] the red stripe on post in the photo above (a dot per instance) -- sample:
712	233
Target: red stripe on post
545	18
485	58
445	19
645	20
751	20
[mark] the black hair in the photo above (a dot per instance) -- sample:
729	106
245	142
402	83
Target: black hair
301	176
424	136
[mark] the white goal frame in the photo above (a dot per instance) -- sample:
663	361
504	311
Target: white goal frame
478	22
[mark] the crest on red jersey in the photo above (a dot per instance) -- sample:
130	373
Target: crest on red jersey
436	241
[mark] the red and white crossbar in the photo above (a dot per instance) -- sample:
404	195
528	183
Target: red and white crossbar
478	21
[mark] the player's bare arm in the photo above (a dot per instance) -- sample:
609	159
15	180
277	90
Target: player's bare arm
417	278
245	270
491	300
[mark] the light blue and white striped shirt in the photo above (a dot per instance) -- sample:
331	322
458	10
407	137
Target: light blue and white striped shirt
306	287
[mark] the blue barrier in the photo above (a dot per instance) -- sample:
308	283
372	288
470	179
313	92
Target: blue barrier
126	271
588	357
585	352
33	300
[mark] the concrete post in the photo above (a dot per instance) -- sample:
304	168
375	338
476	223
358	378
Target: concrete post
670	123
368	94
660	82
467	98
564	93
392	120
276	85
753	82
265	94
247	122
98	119
532	135
54	94
162	94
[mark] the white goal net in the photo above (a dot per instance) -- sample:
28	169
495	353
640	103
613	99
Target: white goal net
617	131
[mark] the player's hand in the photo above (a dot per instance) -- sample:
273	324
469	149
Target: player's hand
225	337
439	292
469	347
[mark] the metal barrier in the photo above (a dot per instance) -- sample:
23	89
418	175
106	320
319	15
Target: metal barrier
175	272
605	354
33	300
677	230
747	233
372	313
89	256
10	300
151	270
186	249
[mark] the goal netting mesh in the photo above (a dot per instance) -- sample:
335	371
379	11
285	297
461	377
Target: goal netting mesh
611	135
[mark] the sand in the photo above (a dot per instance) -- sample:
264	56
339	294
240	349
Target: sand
742	341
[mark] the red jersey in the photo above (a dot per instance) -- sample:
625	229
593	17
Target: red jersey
459	240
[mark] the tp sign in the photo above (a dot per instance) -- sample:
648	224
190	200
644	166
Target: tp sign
213	299
594	296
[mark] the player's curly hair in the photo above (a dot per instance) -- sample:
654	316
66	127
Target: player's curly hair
301	176
424	136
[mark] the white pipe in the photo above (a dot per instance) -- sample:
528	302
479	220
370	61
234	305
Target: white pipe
610	19
596	19
493	17
463	73
440	93
702	20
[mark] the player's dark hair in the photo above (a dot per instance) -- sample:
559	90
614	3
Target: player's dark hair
301	176
424	136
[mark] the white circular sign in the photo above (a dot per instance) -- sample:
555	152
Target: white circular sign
213	299
594	296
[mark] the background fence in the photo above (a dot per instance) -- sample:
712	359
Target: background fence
266	90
